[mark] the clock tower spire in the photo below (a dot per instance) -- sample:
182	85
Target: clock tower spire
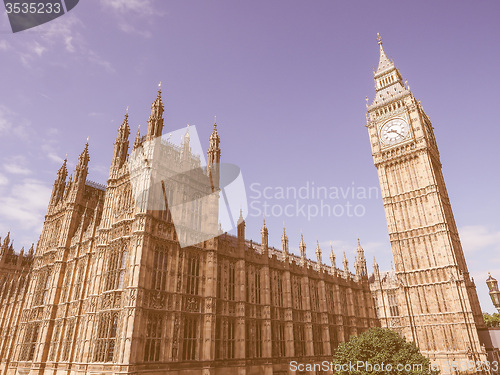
440	310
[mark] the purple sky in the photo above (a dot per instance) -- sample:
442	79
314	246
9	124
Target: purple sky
287	81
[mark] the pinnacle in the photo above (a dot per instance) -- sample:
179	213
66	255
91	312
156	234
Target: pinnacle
384	63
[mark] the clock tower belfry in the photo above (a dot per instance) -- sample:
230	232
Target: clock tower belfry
439	309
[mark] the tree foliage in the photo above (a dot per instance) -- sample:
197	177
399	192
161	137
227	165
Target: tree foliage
491	321
380	351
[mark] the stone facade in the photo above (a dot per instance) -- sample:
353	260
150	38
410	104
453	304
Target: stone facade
109	290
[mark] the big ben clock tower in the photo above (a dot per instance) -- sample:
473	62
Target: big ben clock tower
439	309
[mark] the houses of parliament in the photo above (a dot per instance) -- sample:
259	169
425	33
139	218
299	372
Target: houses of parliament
109	290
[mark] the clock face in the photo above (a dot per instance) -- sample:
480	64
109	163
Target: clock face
394	131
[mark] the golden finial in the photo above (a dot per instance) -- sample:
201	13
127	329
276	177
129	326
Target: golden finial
379	39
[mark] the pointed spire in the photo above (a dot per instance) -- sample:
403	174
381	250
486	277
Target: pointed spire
240	218
241	228
155	122
6	241
375	267
346	266
214	146
284	243
84	157
384	63
186	151
68	185
137	137
59	183
124	129
361	261
82	167
318	254
20	257
265	237
386	76
120	152
359	249
63	171
333	263
302	248
214	134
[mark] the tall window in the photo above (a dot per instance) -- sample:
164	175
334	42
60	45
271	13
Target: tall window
153	338
278	337
330	298
317	339
343	301
334	341
299	339
253	338
54	342
115	271
67	282
160	273
393	303
296	293
30	340
377	307
68	340
106	337
232	281
252	275
193	274
78	281
277	289
42	287
313	288
189	352
225	338
196	213
257	286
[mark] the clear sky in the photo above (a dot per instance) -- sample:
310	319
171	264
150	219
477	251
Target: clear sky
287	81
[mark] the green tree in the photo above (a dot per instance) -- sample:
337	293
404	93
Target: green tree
491	320
380	351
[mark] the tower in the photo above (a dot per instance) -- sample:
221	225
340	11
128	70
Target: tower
440	310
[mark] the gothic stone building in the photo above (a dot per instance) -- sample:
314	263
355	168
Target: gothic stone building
110	291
